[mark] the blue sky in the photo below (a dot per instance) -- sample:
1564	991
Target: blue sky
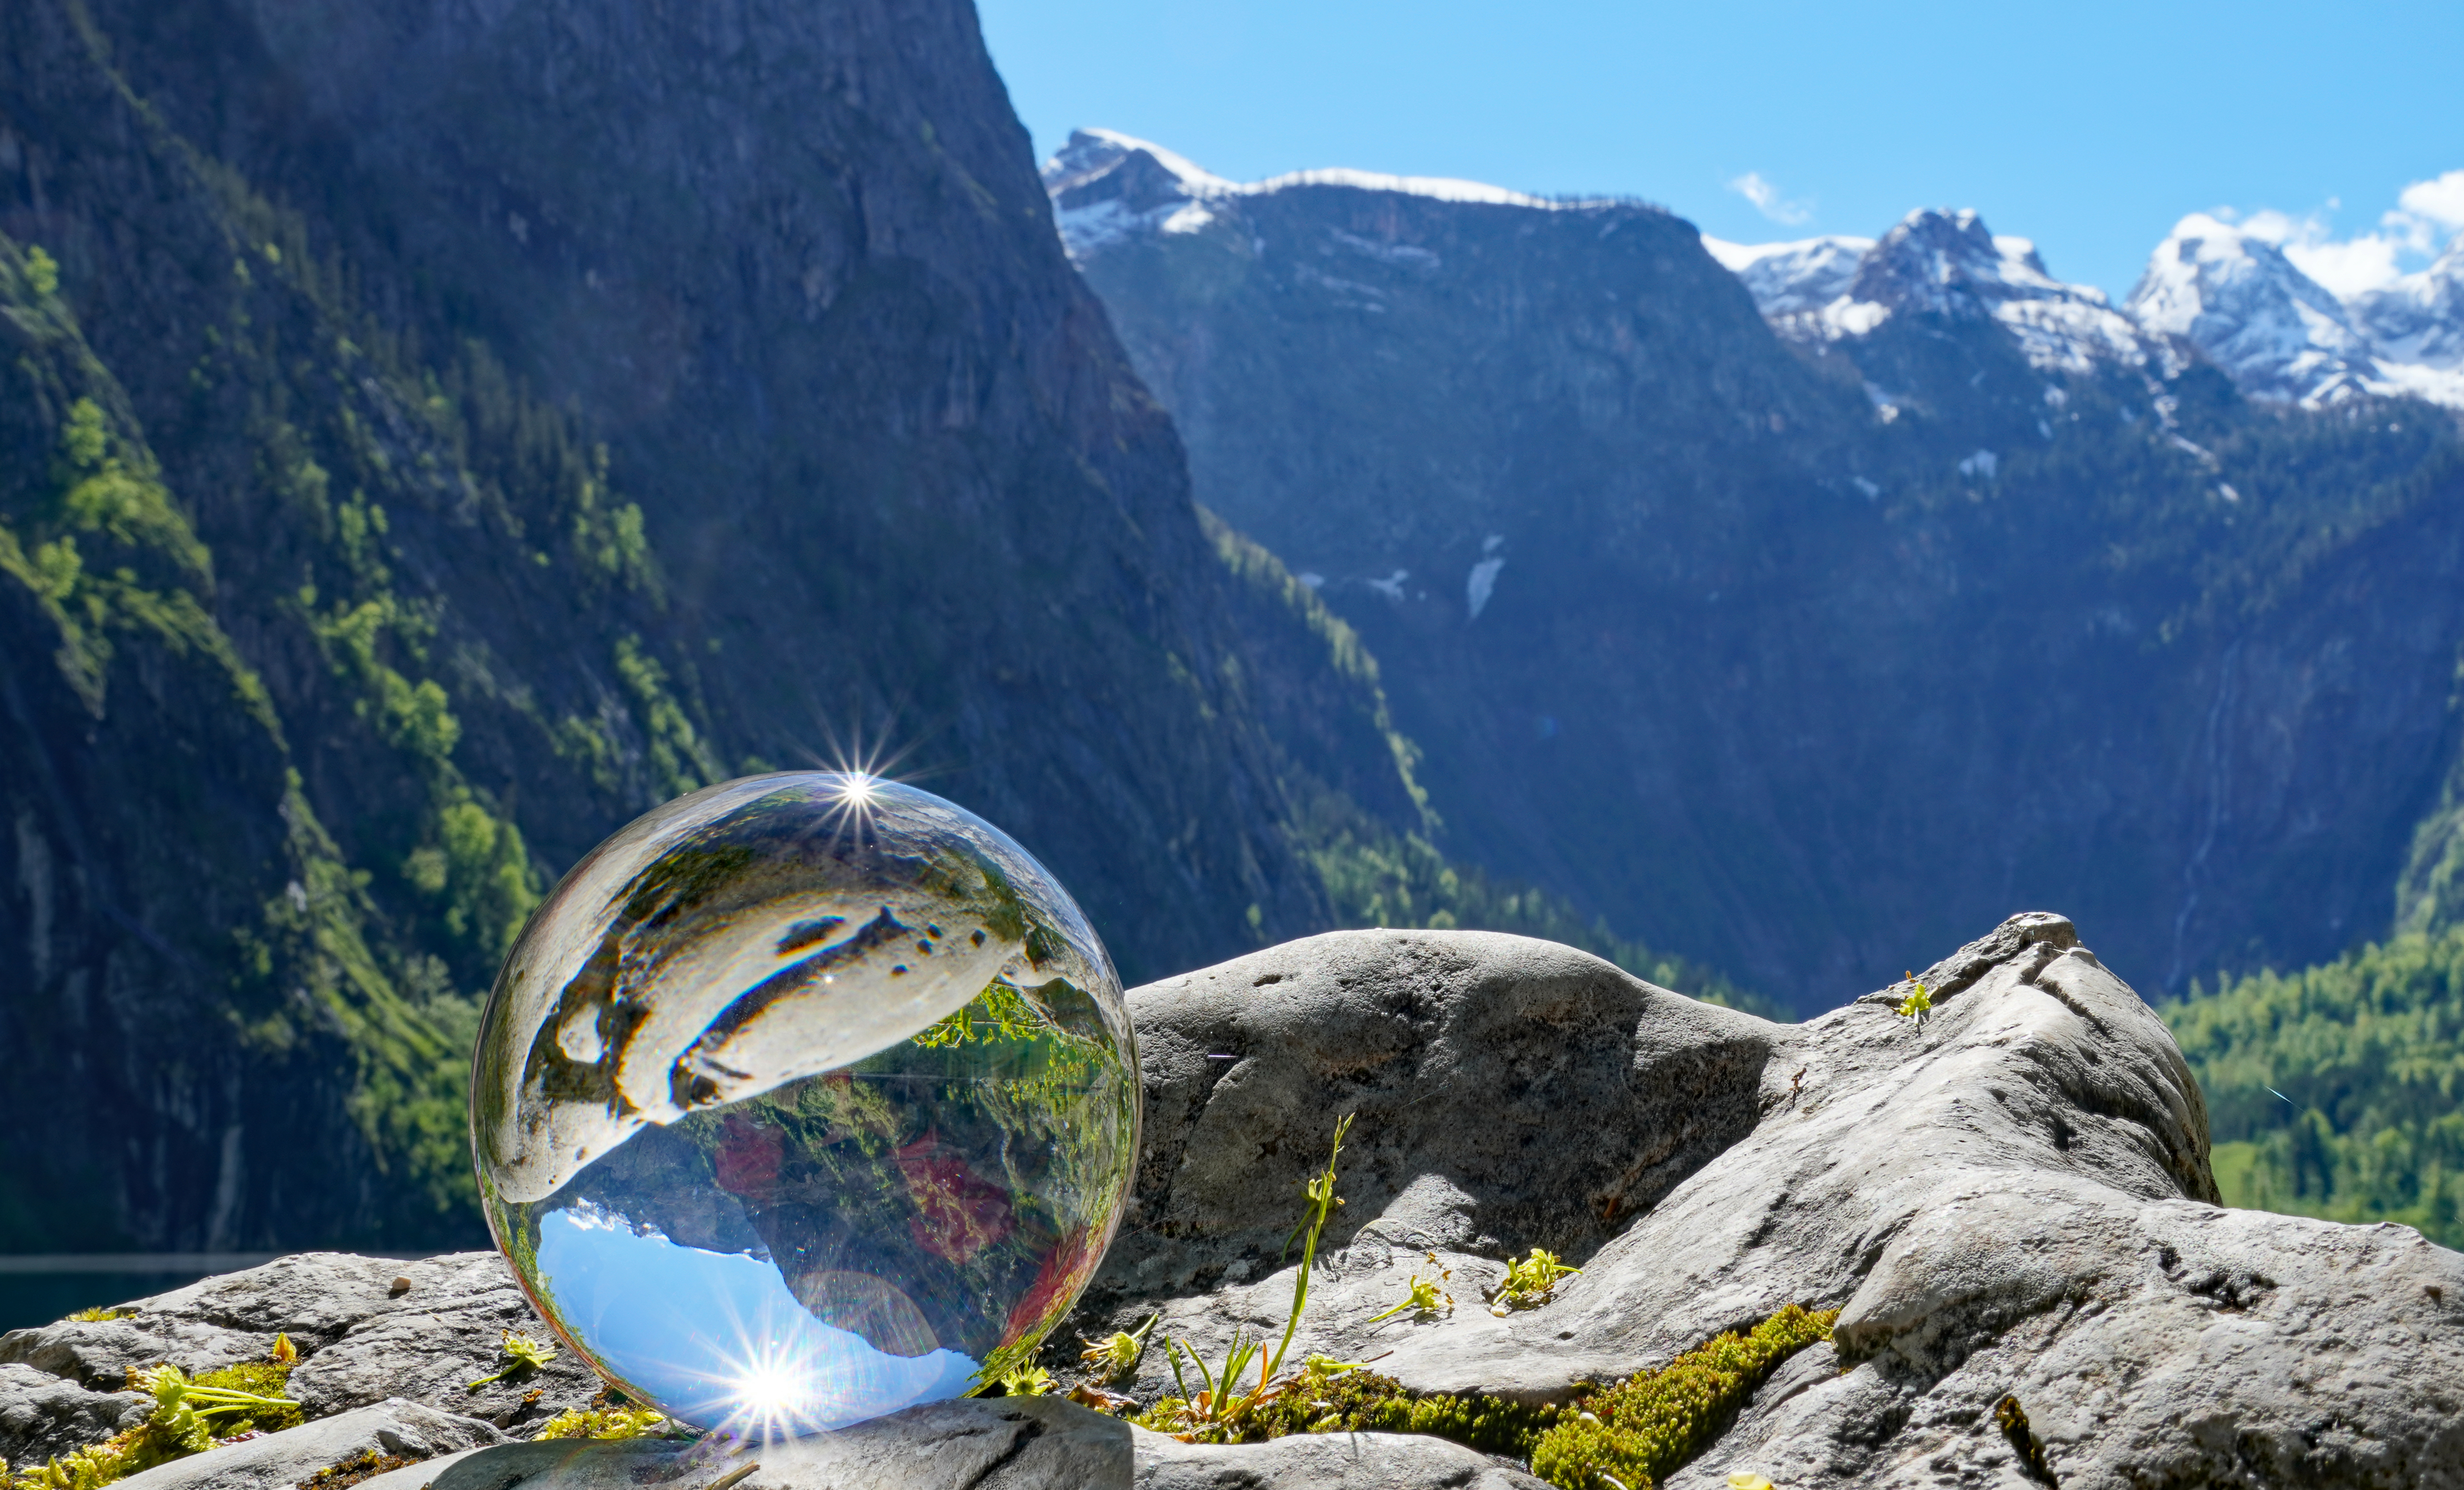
2088	127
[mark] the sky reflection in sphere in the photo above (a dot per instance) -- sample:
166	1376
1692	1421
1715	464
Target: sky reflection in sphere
805	1099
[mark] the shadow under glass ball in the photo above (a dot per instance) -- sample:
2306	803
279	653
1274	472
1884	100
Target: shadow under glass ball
805	1099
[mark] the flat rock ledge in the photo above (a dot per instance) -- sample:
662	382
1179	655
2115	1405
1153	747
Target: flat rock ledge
2012	1197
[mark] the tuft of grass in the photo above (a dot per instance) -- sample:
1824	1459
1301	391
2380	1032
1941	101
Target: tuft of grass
99	1316
1644	1429
1224	1406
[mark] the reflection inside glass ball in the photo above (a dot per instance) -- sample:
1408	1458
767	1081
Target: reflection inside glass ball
805	1099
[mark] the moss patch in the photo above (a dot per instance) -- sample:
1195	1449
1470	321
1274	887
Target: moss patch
1644	1429
367	1464
1630	1434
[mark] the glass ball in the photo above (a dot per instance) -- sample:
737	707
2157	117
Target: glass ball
803	1098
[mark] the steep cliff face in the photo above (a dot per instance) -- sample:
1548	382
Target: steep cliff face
434	434
1793	656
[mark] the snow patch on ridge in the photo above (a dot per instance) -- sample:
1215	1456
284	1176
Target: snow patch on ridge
1106	187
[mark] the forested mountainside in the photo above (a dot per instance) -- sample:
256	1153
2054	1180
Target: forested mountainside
1793	653
2335	1091
432	436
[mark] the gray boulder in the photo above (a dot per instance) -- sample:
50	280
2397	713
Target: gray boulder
2010	1198
395	1427
366	1329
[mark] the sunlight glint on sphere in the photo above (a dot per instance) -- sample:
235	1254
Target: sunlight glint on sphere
803	1098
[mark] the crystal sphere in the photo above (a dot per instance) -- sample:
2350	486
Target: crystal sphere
803	1098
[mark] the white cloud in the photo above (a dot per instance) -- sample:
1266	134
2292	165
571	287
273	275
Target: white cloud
2425	213
1766	201
2439	199
2346	269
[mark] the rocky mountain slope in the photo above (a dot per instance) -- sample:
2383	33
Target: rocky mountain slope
430	437
1788	652
2008	1202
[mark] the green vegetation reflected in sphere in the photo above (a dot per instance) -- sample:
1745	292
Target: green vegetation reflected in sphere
805	1098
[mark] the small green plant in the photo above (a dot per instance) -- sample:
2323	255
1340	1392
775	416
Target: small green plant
190	1415
613	1421
1528	1284
99	1316
1116	1355
186	1408
1918	1003
1223	1410
1027	1379
1426	1295
522	1353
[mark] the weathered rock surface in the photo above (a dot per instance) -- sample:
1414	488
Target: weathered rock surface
361	1340
1333	1461
42	1414
393	1427
1033	1443
2011	1197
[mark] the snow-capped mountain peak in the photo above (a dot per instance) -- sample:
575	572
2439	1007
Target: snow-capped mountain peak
2419	320
1792	278
1092	154
1933	263
2239	300
1106	186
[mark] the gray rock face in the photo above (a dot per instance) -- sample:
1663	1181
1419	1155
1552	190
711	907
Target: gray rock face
1032	1443
361	1340
2010	1198
42	1414
392	1427
1334	1461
